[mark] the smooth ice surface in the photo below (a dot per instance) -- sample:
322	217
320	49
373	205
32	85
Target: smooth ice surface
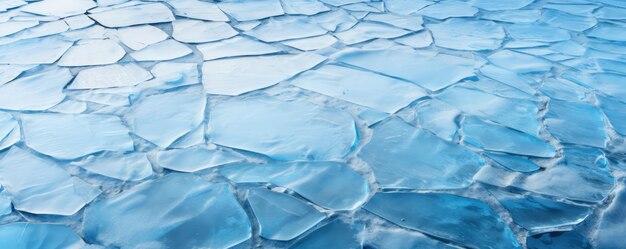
192	212
431	72
118	75
515	163
236	46
41	186
336	234
558	240
435	214
68	136
243	10
576	123
129	167
536	212
92	52
492	137
315	181
196	9
138	37
281	216
286	29
163	118
360	87
162	51
282	129
195	31
234	76
59	8
24	235
133	15
45	50
461	34
194	159
403	156
36	92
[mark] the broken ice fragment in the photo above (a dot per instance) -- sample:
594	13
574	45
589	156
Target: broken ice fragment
9	130
558	240
235	76
10	72
133	15
236	46
576	123
173	74
117	75
24	235
161	51
198	10
176	210
41	186
281	216
68	136
438	117
245	10
318	182
432	72
413	23
418	40
403	156
515	163
11	27
537	32
5	205
399	238
59	8
194	159
447	9
612	222
614	111
36	92
509	78
360	87
286	28
312	43
282	130
92	52
461	34
129	167
138	37
78	22
536	212
519	62
365	31
303	7
608	31
163	118
336	234
34	51
515	113
194	31
496	5
497	138
568	21
608	83
435	214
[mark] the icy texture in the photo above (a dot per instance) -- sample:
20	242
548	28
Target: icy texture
118	75
431	72
280	216
315	181
360	87
435	214
92	52
163	118
133	15
36	92
24	235
41	186
191	213
194	159
69	136
234	76
282	130
271	123
403	156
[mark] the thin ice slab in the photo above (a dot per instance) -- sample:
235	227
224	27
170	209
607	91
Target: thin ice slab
92	53
194	158
128	167
117	75
36	92
24	235
233	47
133	15
283	130
45	50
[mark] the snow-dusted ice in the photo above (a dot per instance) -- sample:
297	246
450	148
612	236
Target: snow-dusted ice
340	124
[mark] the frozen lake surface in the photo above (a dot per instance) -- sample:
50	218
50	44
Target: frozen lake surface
382	124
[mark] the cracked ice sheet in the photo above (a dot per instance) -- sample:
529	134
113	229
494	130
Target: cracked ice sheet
68	136
34	51
41	186
283	130
133	15
431	72
360	87
235	76
36	92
